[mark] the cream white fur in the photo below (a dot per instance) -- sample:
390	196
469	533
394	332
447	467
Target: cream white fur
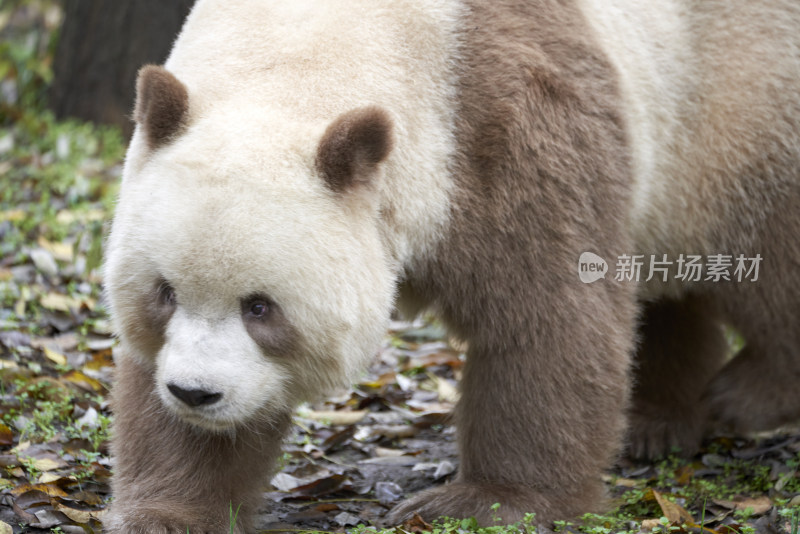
197	355
316	59
234	206
710	88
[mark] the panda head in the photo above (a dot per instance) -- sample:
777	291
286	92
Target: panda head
245	266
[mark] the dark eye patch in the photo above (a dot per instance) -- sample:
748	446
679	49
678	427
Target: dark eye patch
162	304
165	295
154	308
267	325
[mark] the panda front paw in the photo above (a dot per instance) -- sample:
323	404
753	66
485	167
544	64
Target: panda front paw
656	432
467	499
164	520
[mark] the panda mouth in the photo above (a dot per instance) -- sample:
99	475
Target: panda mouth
206	418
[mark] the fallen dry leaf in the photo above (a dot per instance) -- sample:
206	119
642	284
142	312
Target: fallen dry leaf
6	436
49	489
416	524
78	515
55	357
759	505
383	452
83	381
69	217
447	391
650	524
321	487
339	417
48	478
60	251
675	513
58	302
48	464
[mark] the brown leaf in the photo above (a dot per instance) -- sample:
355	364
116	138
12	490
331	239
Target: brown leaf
6	436
55	357
338	417
447	391
76	513
760	505
50	490
392	431
383	380
416	524
85	382
58	302
448	357
650	524
89	497
60	251
22	514
675	513
31	498
323	486
685	475
99	360
327	507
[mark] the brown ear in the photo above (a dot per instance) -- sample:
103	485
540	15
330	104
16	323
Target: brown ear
353	146
161	104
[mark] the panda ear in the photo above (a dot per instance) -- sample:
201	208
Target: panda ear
352	147
161	104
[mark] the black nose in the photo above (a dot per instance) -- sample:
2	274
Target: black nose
194	397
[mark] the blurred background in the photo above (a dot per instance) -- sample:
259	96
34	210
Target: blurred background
79	58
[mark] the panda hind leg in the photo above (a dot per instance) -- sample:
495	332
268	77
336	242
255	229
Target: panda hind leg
681	348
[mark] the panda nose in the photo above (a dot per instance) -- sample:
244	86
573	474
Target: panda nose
194	397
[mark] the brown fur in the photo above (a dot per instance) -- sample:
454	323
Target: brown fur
682	388
542	172
274	333
154	314
162	102
353	146
160	460
543	176
758	389
682	348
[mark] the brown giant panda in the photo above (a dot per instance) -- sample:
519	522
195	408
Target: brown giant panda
301	168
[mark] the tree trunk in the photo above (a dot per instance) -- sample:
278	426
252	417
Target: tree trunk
102	45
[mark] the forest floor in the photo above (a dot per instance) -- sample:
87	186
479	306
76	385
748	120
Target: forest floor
349	459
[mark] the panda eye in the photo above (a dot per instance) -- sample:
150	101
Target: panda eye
257	307
166	295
